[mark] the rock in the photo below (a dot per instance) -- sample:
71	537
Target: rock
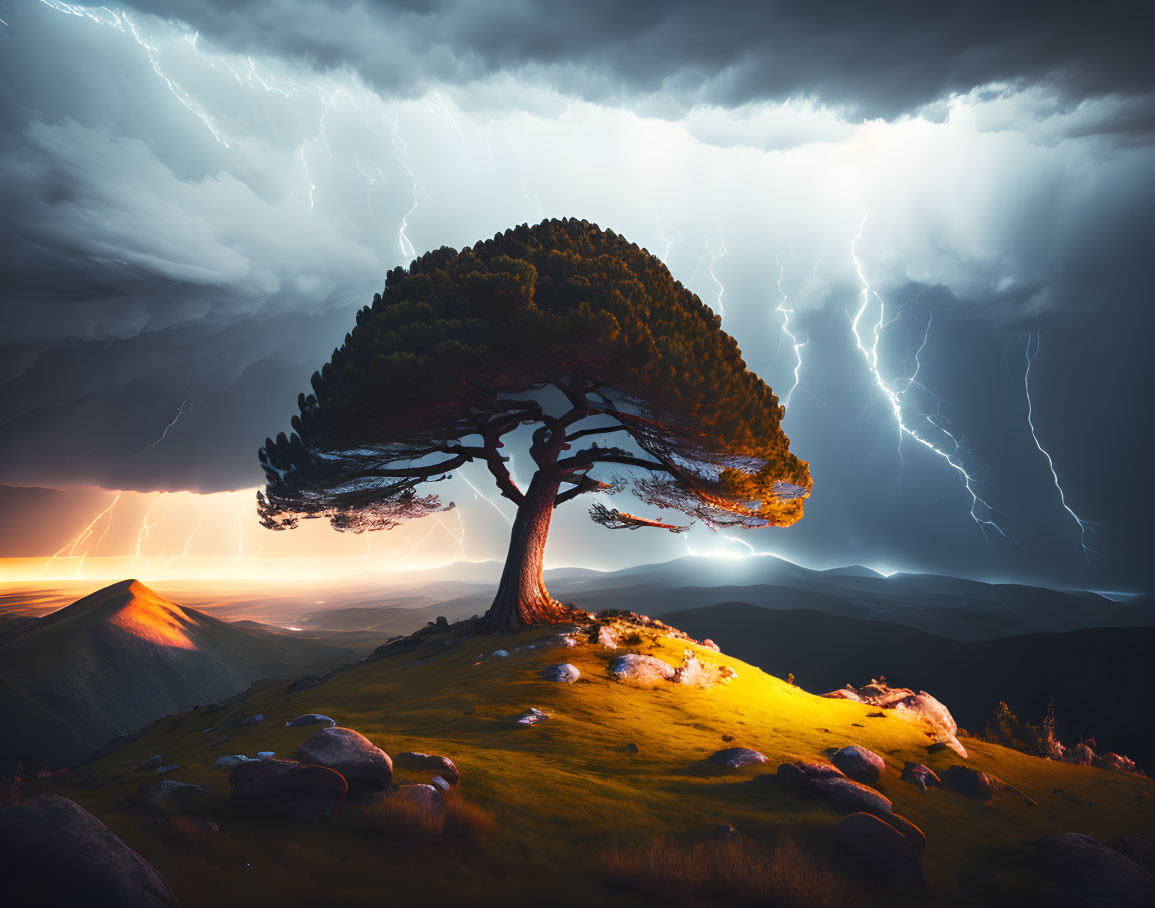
253	720
859	764
151	762
736	757
365	766
1084	868
844	694
296	791
973	783
876	850
164	798
1141	851
828	784
727	833
690	672
641	669
1115	763
564	673
442	766
922	776
710	644
310	719
53	852
426	797
439	783
168	767
915	836
266	754
607	638
499	654
232	761
1080	754
920	708
532	716
632	748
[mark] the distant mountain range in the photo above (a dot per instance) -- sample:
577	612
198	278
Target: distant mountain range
119	659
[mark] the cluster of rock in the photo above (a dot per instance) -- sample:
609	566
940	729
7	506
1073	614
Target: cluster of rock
1083	754
920	708
647	671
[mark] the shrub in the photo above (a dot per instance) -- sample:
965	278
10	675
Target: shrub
461	818
733	872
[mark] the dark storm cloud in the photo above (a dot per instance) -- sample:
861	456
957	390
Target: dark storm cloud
875	59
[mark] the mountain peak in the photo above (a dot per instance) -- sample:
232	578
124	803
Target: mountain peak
130	606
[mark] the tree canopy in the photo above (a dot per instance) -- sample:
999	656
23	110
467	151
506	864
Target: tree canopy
452	355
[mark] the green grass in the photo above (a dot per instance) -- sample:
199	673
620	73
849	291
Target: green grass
568	798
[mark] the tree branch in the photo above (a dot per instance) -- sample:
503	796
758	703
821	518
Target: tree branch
596	431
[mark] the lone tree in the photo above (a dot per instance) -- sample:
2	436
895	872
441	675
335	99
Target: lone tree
562	326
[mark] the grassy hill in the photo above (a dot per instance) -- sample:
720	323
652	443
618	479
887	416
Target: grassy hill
116	660
1093	675
609	802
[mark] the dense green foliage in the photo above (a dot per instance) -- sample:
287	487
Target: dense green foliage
440	354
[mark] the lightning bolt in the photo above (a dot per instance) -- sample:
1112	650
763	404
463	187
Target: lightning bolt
145	529
870	353
459	538
480	494
714	257
179	413
786	313
1084	526
407	249
83	536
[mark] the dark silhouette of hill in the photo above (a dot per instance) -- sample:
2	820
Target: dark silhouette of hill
1099	678
121	658
947	606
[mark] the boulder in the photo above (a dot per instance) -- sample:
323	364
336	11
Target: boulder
231	761
295	791
1083	869
310	719
915	836
532	716
973	783
828	784
1116	763
1141	851
499	654
736	757
253	720
441	766
164	798
920	708
607	637
53	852
365	766
426	797
922	776
641	669
564	673
266	754
874	849
690	672
859	764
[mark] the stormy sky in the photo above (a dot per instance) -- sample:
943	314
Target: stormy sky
898	208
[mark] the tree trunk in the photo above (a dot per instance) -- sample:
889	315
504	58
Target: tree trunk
522	599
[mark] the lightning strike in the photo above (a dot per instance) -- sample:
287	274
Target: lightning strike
1084	526
714	257
84	536
145	529
786	313
407	249
478	493
870	353
181	410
